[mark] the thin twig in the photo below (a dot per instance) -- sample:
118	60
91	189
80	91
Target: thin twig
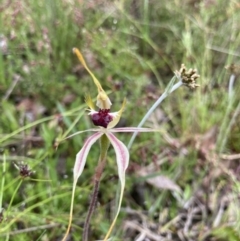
145	231
12	86
230	157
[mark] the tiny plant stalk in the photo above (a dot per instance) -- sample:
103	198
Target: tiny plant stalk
3	181
104	145
185	77
154	106
13	196
226	125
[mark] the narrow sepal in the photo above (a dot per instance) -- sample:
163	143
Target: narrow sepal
122	156
83	153
117	116
89	102
134	129
71	211
103	102
81	59
80	132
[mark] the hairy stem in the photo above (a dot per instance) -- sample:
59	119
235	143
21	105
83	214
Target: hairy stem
104	144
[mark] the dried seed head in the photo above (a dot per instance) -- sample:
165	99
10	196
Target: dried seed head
24	170
233	68
188	77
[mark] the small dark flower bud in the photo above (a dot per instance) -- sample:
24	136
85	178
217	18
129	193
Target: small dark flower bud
24	170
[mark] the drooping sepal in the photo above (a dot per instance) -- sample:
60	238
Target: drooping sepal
77	171
122	156
83	153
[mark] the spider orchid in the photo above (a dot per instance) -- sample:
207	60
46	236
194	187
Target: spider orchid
106	121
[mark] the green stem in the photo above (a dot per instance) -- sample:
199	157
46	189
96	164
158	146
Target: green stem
3	181
13	196
104	144
155	105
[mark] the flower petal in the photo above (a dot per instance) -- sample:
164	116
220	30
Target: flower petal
134	129
77	171
89	102
80	132
122	156
116	116
82	154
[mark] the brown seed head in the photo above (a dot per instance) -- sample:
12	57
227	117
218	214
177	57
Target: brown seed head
188	77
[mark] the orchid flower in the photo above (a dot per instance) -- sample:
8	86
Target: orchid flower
105	122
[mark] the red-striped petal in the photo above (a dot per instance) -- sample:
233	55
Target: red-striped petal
82	154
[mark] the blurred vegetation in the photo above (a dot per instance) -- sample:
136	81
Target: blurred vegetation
133	47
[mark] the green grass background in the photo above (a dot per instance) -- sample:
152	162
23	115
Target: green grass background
133	47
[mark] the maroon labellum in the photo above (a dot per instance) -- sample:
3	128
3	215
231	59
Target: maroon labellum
102	118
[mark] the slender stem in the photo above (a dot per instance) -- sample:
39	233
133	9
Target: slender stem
230	86
104	144
150	111
14	194
226	125
91	209
3	182
71	211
